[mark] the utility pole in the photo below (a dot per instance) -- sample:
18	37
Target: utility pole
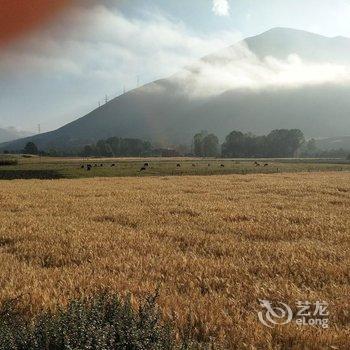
39	132
99	104
106	99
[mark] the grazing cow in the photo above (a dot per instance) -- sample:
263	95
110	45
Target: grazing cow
178	165
88	167
193	165
101	165
222	166
95	165
113	165
83	166
146	164
257	164
265	165
143	169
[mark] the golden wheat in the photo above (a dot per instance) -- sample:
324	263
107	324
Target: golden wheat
213	245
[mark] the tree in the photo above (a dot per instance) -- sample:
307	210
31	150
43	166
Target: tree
30	148
88	151
284	143
311	146
118	147
198	143
233	146
279	143
210	146
113	144
103	149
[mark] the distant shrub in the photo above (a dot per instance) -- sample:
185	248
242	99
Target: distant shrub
100	323
8	161
348	157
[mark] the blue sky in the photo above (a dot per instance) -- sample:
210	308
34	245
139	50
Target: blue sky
61	72
327	17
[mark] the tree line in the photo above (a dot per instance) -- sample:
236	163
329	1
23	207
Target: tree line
280	143
118	147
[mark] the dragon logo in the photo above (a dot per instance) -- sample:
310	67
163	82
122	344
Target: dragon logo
278	315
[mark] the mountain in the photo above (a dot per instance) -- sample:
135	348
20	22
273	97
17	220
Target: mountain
281	42
334	143
283	78
9	134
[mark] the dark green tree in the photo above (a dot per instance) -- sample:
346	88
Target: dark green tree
284	143
210	146
103	149
118	147
89	151
233	146
31	148
113	144
279	143
198	143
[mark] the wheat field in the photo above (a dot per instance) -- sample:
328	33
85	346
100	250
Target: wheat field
212	245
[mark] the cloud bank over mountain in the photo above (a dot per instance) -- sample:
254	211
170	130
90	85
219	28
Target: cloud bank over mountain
239	68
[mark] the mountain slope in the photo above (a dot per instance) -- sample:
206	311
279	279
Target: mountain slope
334	143
170	111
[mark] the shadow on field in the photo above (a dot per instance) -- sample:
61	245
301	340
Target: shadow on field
30	174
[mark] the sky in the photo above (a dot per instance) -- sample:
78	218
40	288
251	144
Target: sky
58	61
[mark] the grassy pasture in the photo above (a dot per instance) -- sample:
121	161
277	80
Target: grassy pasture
70	168
213	245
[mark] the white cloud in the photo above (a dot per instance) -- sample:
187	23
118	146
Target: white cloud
238	68
102	43
221	7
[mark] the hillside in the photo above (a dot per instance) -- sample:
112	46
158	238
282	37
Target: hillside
334	143
255	96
